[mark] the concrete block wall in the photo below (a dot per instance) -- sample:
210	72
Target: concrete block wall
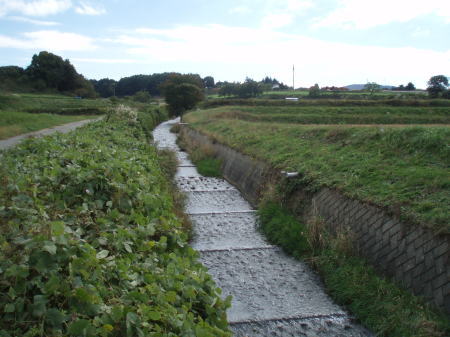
412	255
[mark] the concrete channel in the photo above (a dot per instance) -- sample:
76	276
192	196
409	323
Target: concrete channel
273	294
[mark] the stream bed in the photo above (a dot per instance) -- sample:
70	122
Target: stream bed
273	294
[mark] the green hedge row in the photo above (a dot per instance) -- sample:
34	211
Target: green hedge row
325	102
90	245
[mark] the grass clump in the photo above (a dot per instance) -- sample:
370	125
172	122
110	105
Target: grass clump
378	303
90	245
283	229
209	167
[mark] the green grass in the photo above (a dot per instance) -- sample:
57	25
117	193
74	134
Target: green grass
90	243
336	115
16	123
209	167
402	169
52	103
378	303
22	113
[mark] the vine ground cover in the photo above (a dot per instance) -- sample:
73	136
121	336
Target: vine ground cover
90	245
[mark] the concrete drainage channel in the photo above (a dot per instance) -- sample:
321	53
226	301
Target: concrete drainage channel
273	294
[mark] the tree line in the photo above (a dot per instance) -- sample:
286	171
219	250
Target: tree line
47	72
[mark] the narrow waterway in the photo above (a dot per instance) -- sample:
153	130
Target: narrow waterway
273	294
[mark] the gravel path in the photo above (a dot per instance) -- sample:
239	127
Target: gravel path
273	294
10	142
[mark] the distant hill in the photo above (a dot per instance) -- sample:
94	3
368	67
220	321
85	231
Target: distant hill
361	87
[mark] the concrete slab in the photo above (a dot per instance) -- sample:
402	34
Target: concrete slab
188	184
216	201
267	284
226	231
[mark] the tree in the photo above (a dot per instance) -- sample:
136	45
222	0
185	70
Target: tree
437	85
314	91
182	92
372	87
142	96
410	86
208	81
105	87
48	70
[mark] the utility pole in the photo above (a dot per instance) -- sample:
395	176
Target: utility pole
293	77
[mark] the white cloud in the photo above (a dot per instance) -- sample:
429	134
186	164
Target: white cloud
86	8
281	13
420	32
239	10
49	40
260	52
105	60
34	8
33	21
358	14
279	20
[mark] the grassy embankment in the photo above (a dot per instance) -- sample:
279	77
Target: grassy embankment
90	244
22	113
404	169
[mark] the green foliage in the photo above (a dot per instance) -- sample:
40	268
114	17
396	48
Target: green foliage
90	245
211	103
249	88
372	87
314	91
104	87
55	73
337	115
209	167
142	96
283	229
437	85
182	92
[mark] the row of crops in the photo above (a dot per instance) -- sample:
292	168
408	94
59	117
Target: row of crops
90	245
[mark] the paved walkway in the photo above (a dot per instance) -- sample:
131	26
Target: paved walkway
10	142
273	294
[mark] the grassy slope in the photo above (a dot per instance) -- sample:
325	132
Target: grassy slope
403	169
15	118
16	123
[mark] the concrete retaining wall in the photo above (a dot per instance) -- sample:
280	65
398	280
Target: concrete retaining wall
413	256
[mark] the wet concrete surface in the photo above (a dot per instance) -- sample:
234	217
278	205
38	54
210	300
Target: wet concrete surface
10	142
273	294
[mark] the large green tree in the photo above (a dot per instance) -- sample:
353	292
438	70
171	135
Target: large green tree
182	93
53	72
437	85
372	87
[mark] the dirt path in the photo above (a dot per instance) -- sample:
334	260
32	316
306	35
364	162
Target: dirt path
273	294
7	143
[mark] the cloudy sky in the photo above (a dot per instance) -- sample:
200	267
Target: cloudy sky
331	42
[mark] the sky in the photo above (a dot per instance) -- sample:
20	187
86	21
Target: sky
330	42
